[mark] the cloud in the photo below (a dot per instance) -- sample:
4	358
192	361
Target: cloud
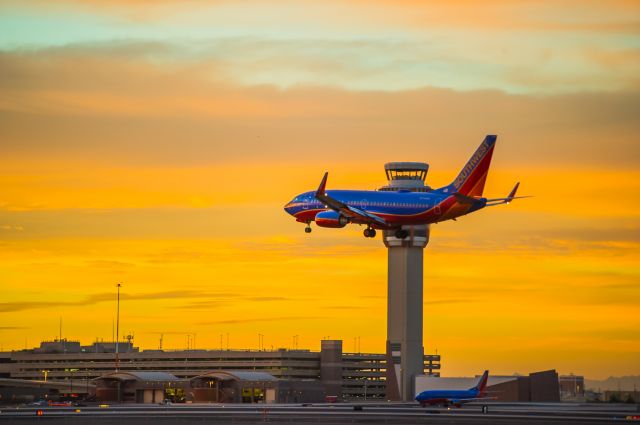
515	47
133	114
198	299
9	227
14	306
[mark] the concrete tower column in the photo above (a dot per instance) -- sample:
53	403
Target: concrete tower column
405	352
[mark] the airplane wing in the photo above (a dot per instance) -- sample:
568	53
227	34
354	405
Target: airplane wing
511	197
356	214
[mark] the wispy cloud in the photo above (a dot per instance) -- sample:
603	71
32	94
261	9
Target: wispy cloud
525	47
15	306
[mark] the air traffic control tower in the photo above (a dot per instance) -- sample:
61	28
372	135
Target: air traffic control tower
405	352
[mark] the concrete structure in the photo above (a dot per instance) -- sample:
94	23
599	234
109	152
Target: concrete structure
252	387
331	367
233	387
135	387
215	386
537	387
353	376
405	352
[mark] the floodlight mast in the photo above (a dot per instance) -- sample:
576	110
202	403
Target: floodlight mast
405	351
118	285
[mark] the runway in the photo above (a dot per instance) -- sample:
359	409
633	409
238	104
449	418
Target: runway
334	414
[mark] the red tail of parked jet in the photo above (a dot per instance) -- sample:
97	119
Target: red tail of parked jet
456	398
481	387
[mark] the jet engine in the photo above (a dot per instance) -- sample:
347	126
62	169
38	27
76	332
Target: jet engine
331	219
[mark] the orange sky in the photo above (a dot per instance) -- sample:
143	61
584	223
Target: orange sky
157	146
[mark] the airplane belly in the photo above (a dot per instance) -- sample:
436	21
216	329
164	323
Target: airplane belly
456	210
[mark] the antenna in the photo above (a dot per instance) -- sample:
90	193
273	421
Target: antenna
129	339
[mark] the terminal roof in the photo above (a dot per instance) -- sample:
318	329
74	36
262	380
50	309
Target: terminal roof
140	376
239	375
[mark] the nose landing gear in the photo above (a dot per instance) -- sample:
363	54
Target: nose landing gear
308	228
369	232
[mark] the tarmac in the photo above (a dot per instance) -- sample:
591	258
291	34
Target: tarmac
334	414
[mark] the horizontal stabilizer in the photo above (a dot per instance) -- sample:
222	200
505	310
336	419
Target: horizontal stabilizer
509	198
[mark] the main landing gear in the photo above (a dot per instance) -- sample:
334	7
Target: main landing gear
308	228
369	232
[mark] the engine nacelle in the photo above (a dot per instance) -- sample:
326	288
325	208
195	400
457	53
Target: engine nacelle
331	219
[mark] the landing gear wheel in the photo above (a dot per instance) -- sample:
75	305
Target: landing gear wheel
369	233
401	234
307	229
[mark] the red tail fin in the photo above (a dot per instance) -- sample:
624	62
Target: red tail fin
471	179
482	383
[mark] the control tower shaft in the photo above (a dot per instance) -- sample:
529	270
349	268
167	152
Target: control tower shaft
405	352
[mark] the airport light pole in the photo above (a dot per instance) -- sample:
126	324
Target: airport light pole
118	285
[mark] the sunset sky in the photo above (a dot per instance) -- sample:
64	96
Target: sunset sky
156	145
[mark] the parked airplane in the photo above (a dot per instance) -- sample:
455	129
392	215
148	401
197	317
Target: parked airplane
391	210
455	397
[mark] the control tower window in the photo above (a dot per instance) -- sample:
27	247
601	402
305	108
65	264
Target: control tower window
407	174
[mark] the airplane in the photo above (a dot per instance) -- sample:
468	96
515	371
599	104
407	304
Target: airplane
455	397
390	210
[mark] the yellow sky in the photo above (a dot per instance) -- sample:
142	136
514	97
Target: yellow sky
156	151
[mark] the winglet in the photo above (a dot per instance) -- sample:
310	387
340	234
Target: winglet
513	192
323	185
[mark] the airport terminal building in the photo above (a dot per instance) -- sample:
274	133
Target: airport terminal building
345	376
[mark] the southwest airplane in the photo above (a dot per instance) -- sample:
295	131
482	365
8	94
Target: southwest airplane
391	210
455	397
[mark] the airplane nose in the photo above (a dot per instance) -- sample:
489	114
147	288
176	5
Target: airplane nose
288	208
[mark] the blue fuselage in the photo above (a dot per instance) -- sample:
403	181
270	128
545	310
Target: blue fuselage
397	208
443	396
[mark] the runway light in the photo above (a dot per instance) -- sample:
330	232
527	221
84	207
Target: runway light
103	406
39	412
77	410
